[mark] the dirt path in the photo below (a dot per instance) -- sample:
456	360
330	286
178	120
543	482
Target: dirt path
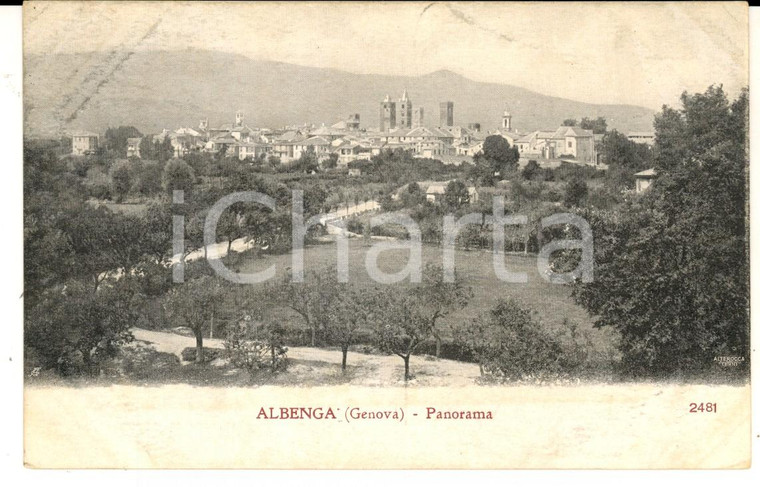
317	365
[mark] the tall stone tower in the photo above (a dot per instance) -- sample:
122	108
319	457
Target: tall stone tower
447	114
203	125
506	120
238	118
387	114
404	117
418	117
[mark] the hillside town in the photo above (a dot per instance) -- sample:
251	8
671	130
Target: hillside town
401	126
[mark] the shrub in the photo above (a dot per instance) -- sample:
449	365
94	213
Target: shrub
354	225
254	346
509	344
209	354
390	230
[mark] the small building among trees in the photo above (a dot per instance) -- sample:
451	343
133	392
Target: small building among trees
644	179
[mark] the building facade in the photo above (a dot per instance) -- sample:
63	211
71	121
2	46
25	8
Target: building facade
83	143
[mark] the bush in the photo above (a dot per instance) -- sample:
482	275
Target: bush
449	351
209	354
390	230
354	225
254	346
510	345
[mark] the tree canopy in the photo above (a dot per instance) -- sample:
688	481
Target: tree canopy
671	270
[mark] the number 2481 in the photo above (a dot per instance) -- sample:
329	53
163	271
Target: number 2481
703	407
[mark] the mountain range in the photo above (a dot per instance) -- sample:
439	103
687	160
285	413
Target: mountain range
152	90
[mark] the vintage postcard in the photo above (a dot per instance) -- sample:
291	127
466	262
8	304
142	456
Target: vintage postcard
419	235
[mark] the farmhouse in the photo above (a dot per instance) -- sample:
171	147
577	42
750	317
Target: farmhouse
83	143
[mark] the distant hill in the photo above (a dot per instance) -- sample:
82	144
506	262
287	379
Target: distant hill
167	89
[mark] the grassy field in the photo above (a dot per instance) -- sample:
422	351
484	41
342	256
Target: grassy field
551	302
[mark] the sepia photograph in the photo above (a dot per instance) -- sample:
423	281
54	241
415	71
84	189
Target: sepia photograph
412	235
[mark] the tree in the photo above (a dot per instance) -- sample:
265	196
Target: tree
531	170
94	238
164	149
72	329
121	179
510	345
194	304
671	270
311	299
412	195
569	122
274	162
438	299
307	162
597	126
116	139
148	178
399	324
456	195
501	158
148	148
178	175
575	192
624	158
346	314
332	161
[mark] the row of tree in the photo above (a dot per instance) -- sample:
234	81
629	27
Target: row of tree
509	342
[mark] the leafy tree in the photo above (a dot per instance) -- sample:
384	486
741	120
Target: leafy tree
311	299
570	122
274	162
575	192
412	195
399	323
121	179
307	162
347	313
671	270
72	329
91	235
148	148
178	175
331	162
164	149
456	195
597	126
481	172
498	154
624	158
148	179
438	299
194	304
116	139
531	171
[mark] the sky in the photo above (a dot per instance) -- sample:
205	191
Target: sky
641	53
